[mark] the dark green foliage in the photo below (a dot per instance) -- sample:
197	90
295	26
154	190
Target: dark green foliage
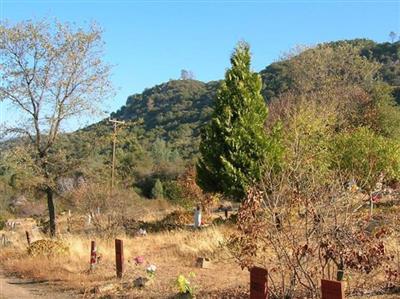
2	222
389	55
173	111
385	118
276	79
173	192
234	143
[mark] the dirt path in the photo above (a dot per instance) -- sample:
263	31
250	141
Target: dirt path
15	288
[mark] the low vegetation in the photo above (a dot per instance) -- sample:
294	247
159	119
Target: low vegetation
172	252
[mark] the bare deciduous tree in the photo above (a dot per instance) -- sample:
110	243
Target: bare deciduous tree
50	73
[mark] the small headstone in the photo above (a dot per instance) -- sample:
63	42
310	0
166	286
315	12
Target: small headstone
203	262
142	232
258	283
3	240
10	224
18	201
88	219
141	282
331	289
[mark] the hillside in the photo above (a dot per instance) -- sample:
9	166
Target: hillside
175	111
276	79
172	111
163	123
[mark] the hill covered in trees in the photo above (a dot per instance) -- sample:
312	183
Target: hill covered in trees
276	78
161	136
174	111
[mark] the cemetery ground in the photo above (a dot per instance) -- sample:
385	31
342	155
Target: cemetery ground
170	244
173	252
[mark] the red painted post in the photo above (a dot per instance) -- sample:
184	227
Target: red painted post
119	257
28	238
331	289
258	283
93	255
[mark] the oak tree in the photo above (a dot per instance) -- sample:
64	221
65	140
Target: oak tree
51	73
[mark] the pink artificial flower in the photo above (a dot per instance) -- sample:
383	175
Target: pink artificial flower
139	260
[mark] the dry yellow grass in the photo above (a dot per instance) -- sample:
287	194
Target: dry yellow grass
173	253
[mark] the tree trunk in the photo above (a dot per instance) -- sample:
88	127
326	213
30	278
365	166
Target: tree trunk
52	211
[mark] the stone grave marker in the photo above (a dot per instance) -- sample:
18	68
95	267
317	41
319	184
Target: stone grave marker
203	262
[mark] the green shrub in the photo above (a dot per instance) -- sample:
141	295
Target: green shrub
158	191
2	222
173	192
364	156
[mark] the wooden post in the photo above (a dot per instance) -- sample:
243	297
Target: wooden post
119	257
115	122
258	283
371	208
93	255
28	238
331	289
69	221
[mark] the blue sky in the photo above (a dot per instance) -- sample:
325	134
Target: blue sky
149	42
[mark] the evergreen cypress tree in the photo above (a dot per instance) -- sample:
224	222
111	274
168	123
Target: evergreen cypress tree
234	144
158	190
